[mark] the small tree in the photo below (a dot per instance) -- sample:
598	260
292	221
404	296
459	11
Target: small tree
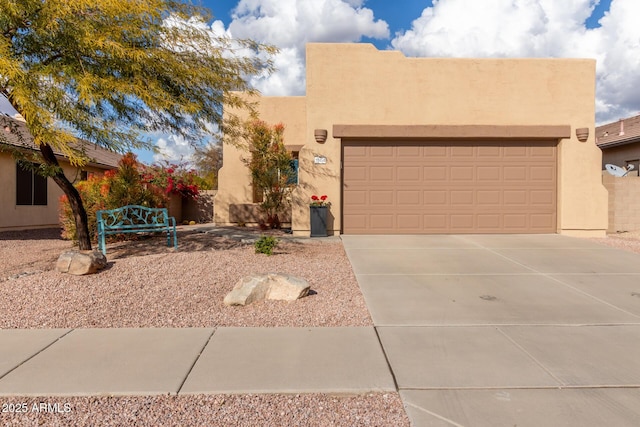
270	166
208	161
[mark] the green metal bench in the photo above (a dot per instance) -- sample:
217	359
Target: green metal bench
135	219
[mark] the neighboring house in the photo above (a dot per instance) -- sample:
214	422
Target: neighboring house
620	143
435	145
28	200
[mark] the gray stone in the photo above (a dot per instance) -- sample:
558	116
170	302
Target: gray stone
81	262
272	286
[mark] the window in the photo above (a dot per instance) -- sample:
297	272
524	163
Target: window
293	174
31	188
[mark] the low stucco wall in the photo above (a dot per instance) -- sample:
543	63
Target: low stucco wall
624	202
355	84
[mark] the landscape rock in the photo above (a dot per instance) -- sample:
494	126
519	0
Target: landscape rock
272	286
81	262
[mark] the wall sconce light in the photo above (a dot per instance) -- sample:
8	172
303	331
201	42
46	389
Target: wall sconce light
321	135
582	134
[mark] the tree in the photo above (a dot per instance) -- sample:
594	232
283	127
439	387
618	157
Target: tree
270	166
208	161
112	71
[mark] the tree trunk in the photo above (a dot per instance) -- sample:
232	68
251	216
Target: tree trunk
79	213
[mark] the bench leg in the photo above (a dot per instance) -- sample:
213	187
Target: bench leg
101	243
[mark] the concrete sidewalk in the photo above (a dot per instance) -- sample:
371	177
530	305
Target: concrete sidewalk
187	361
503	330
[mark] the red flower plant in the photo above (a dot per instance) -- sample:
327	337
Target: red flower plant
319	201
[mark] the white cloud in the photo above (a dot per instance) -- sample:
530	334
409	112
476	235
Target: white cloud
538	28
173	149
290	24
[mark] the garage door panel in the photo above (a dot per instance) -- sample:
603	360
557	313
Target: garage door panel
409	151
489	222
491	174
409	174
382	198
381	173
435	197
544	152
515	152
426	187
409	198
409	222
462	222
542	198
515	198
462	173
356	174
491	198
434	152
381	151
382	221
489	151
517	174
542	173
435	173
515	223
462	198
464	152
435	222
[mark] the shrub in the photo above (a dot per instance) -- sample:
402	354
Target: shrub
270	167
113	189
266	245
174	179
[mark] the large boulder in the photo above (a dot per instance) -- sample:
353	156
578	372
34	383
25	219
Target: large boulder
81	262
273	286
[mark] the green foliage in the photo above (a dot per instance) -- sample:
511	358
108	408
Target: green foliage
270	166
111	190
266	245
107	70
208	161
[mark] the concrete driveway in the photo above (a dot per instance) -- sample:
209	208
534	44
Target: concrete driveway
505	330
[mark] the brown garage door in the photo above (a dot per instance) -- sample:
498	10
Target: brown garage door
449	187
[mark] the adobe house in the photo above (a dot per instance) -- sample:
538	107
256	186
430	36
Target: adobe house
28	200
434	145
620	143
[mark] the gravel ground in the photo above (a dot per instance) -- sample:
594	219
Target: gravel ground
147	284
629	241
213	410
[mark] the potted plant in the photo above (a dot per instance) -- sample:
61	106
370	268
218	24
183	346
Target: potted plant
318	214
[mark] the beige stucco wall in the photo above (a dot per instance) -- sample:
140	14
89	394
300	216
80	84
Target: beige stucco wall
357	84
13	217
